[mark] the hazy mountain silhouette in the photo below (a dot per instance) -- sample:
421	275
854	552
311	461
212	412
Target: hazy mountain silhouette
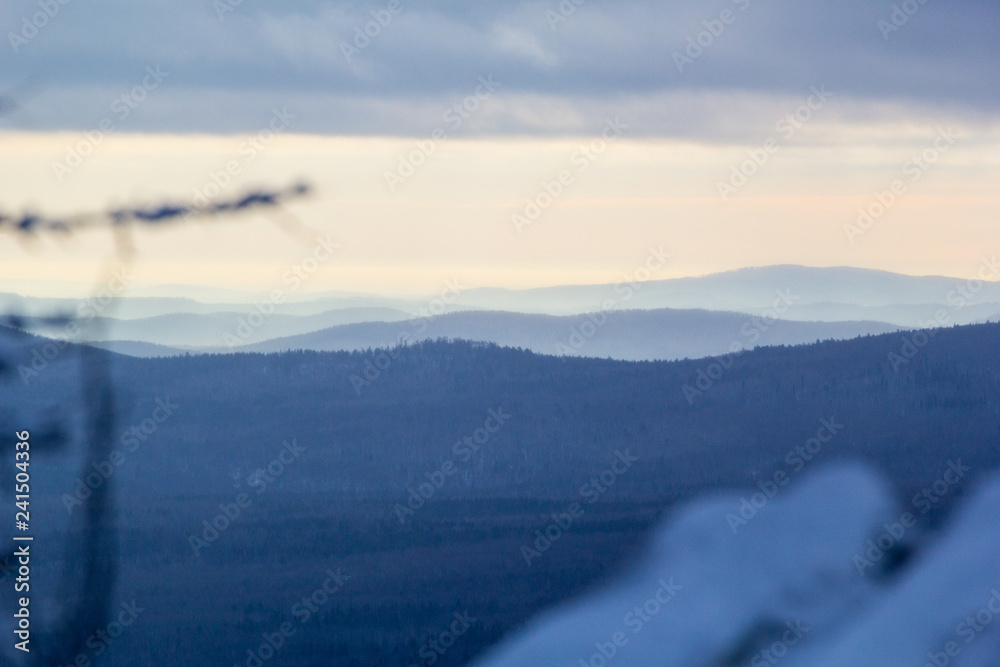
200	330
833	294
212	329
133	306
827	294
629	335
135	348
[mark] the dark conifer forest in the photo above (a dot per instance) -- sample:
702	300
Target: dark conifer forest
408	484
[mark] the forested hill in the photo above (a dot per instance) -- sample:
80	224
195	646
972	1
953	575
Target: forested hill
630	335
375	423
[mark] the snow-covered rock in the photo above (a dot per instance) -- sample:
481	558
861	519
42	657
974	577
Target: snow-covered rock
943	610
711	588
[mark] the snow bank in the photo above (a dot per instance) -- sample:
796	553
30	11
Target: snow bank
707	587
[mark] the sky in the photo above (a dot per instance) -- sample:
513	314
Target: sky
511	144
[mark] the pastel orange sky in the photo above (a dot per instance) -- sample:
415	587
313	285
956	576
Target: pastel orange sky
453	217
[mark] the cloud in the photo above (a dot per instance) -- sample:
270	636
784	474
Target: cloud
338	60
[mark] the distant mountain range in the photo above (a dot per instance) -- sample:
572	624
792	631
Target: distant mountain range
136	307
663	319
632	335
188	330
823	294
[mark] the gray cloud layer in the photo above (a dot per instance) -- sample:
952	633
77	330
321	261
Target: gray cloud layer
561	66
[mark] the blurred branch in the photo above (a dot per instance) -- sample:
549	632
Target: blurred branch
92	556
125	218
